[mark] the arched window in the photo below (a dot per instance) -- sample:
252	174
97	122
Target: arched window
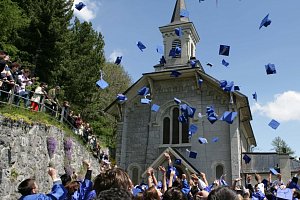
219	171
175	132
135	175
166	130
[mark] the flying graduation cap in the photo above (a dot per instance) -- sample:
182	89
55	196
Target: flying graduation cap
145	101
254	96
178	101
178	31
162	60
274	124
265	22
143	91
79	6
209	64
155	107
225	63
200	81
270	69
121	98
118	60
215	139
192	154
224	50
274	171
140	45
246	158
211	115
101	83
202	140
227	86
228	116
160	49
192	129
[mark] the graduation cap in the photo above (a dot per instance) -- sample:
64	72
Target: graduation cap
236	88
192	154
274	171
215	139
177	161
254	96
155	107
274	124
265	182
183	119
143	91
178	101
137	190
79	6
225	63
145	101
227	85
118	60
177	50
162	60
270	69
224	50
211	115
187	110
200	1
209	64
140	45
121	97
228	116
160	49
202	140
193	62
265	22
101	83
193	129
246	158
184	13
178	31
175	73
200	81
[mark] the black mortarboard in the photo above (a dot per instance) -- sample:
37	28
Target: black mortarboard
270	69
162	60
224	50
246	158
140	45
79	6
160	49
254	96
225	63
118	60
265	22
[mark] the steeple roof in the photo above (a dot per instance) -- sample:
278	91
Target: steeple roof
180	5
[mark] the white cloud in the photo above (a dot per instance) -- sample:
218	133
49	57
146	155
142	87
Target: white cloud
89	11
284	107
112	57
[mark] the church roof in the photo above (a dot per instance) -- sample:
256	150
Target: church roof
176	18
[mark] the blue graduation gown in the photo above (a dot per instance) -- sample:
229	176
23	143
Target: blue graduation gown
58	192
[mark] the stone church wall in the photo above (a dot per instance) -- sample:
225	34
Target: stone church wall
24	154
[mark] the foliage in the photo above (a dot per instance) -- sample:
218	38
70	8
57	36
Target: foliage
51	146
280	146
68	143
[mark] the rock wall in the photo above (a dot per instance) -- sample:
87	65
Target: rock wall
24	154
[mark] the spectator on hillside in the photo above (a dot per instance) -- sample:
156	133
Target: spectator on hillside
23	82
39	93
51	101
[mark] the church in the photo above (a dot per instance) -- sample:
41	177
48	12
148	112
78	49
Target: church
169	110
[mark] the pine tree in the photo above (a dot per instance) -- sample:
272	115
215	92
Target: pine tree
280	146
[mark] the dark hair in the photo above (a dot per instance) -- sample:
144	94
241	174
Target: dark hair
26	186
174	194
151	194
222	193
115	194
113	178
65	179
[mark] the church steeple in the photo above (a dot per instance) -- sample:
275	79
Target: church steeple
180	5
186	42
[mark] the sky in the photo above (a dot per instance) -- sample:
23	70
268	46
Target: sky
229	22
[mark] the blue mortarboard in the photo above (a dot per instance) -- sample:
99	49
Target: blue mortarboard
143	91
162	60
160	49
155	107
209	64
224	50
223	83
140	45
236	88
202	140
101	84
177	161
175	52
274	171
228	116
200	81
121	97
211	115
200	1
178	101
265	22
227	85
145	101
136	190
254	96
270	69
184	13
118	60
246	158
175	73
79	6
178	31
190	111
183	119
225	63
192	154
194	62
193	129
265	182
274	124
215	139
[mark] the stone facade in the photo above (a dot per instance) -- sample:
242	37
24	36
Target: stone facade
24	154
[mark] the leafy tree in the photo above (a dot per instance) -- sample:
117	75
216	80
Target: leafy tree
280	146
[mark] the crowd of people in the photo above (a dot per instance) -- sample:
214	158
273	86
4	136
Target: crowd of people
114	183
18	84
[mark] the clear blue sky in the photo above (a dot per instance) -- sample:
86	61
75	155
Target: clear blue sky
232	22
